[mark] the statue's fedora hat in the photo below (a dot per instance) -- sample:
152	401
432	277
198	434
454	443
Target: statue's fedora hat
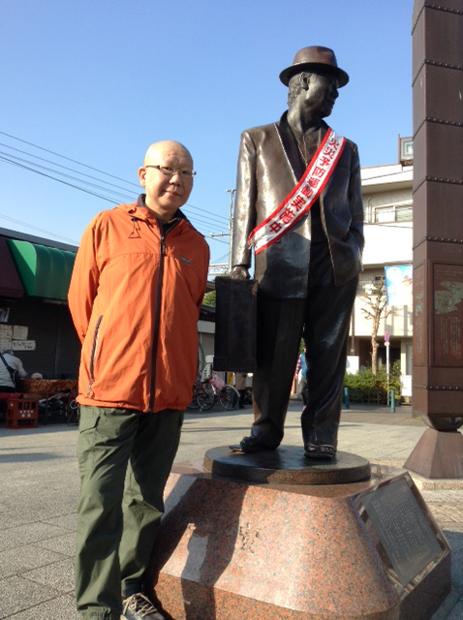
313	58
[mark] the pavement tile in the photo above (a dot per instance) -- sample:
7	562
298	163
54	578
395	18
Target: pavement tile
447	606
447	512
59	575
68	521
60	608
39	489
457	570
13	519
55	505
457	612
65	545
16	561
28	533
19	594
455	539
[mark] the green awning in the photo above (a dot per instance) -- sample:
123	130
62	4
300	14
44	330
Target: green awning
44	271
10	284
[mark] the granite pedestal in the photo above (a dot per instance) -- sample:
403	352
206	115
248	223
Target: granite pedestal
234	549
438	454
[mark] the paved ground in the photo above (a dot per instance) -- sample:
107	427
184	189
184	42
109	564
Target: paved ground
38	491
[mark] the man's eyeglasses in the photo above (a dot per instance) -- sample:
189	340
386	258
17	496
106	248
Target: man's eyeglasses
167	171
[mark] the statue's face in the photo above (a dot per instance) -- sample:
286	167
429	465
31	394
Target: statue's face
320	94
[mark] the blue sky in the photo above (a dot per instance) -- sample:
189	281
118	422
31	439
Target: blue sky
97	81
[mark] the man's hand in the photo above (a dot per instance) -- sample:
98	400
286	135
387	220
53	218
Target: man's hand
239	272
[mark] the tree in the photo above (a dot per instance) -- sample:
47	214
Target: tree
209	299
375	309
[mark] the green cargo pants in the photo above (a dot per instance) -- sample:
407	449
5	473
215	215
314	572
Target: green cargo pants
124	457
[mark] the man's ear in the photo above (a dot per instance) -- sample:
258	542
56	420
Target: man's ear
141	175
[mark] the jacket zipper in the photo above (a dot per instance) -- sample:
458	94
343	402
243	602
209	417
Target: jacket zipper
157	312
92	356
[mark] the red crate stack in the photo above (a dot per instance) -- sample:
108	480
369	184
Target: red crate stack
21	412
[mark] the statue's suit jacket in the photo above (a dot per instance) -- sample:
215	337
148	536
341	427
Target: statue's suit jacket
265	178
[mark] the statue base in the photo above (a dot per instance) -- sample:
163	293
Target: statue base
232	549
438	454
286	465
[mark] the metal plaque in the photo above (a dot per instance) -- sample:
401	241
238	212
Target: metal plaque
419	317
403	529
448	315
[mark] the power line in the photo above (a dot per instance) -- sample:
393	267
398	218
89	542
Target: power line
221	218
49	161
204	219
49	176
199	218
19	161
75	161
214	239
41	230
22	151
63	174
86	191
209	214
221	258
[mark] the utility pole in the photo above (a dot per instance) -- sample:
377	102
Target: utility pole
232	193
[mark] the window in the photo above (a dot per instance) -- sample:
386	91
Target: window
382	215
392	213
404	213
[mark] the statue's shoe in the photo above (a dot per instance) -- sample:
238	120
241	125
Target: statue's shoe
250	445
319	451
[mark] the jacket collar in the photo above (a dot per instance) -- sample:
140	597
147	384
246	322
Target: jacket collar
140	211
290	146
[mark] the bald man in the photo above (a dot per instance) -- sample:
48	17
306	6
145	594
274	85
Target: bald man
136	289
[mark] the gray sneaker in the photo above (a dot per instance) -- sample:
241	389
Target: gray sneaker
139	607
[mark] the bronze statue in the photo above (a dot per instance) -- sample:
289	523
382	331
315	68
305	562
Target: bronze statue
299	206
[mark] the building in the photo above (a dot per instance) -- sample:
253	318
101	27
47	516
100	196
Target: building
387	195
34	317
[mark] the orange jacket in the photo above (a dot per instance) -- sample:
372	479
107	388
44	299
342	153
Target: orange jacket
134	298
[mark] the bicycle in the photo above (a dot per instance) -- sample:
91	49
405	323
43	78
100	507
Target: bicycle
211	391
72	412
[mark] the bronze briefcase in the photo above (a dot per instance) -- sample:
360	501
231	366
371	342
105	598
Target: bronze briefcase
235	325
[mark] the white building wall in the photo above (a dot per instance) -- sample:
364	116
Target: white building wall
387	196
206	331
399	320
387	245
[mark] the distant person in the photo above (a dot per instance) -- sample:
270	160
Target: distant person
301	369
241	386
11	367
136	290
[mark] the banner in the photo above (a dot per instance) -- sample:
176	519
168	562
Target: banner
399	280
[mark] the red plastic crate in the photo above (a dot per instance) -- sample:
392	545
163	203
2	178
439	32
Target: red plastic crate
22	412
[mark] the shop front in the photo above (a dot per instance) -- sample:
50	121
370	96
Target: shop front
34	318
35	323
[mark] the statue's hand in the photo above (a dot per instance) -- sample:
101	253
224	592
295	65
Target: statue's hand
239	272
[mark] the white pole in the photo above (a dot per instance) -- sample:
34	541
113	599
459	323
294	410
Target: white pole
387	345
230	227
